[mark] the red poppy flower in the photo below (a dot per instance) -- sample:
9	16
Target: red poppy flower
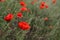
8	17
54	1
2	0
19	15
43	3
22	3
46	18
24	25
46	6
42	7
23	9
32	3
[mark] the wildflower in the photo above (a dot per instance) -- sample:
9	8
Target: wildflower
2	0
32	3
42	5
19	15
46	6
22	3
24	25
46	18
23	9
8	17
53	1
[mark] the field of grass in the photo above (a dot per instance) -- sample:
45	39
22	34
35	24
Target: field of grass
40	29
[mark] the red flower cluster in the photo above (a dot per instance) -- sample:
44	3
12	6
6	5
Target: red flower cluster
24	25
8	17
43	5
